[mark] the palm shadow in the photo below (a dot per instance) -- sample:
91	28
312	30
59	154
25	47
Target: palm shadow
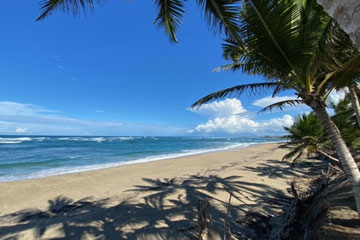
169	210
341	220
284	169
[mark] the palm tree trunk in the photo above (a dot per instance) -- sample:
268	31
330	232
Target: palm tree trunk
347	161
355	102
345	13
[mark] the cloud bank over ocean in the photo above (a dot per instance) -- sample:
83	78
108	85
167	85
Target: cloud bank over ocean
229	116
225	117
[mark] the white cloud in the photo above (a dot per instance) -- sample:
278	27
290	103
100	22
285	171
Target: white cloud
230	106
230	124
266	101
21	109
21	130
336	96
240	125
234	123
285	121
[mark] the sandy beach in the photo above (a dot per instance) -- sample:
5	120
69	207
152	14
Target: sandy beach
154	200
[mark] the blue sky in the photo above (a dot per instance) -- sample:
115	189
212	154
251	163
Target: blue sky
115	73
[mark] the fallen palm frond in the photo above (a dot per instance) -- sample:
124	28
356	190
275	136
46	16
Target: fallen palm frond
203	219
301	217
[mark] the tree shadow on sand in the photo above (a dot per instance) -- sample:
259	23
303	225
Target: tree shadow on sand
169	210
281	169
341	220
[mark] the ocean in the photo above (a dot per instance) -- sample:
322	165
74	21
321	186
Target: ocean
26	157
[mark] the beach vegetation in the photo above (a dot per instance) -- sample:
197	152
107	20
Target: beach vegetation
296	46
305	137
346	120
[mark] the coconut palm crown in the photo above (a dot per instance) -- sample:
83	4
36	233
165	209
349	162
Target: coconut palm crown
305	136
296	46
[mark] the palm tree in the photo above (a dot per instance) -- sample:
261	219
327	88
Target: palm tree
345	120
349	80
221	15
295	45
306	136
354	94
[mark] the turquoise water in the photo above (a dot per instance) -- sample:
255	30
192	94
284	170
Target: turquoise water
24	157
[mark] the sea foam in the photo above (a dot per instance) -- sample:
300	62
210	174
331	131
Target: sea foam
14	140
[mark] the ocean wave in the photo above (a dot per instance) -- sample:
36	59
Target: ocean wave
77	169
40	139
125	138
83	139
186	153
76	159
97	139
73	139
9	142
14	140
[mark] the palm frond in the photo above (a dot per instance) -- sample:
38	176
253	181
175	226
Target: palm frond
323	152
295	159
47	7
294	152
350	72
279	88
338	47
305	135
282	104
321	53
270	31
232	50
232	66
253	61
254	88
273	25
222	16
294	133
170	16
